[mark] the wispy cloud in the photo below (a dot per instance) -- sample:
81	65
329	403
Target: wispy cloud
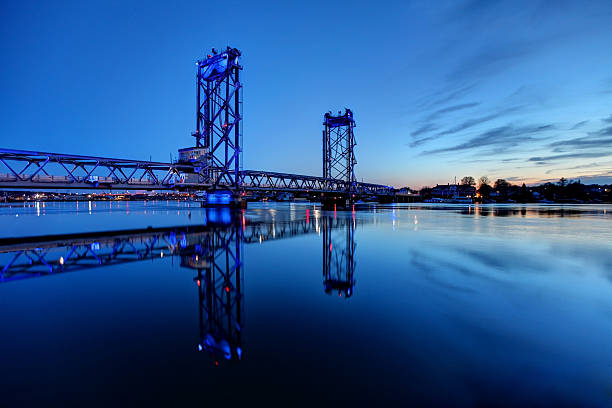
452	108
477	121
545	159
601	138
579	125
419	142
583	143
426	128
491	59
467	124
579	167
452	94
503	137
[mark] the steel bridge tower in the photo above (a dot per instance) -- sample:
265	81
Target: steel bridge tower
338	148
218	148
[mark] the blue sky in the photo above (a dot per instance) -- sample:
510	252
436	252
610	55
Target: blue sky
520	90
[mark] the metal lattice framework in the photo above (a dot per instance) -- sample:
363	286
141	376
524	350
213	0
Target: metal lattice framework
218	116
43	170
338	148
29	169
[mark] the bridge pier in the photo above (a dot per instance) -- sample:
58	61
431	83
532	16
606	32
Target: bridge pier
224	198
336	201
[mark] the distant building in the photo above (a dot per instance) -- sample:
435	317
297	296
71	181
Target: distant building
407	195
453	190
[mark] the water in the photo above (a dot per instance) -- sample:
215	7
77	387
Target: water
288	304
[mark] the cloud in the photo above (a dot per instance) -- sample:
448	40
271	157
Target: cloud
583	143
502	137
454	94
598	139
580	166
579	125
492	59
419	142
569	156
607	131
426	128
608	119
514	178
460	127
477	121
452	108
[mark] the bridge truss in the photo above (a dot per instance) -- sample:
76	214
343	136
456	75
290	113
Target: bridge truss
43	170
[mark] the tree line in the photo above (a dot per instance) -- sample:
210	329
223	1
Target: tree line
562	191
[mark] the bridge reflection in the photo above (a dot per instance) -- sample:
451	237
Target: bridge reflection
214	251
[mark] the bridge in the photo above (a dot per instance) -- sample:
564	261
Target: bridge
213	165
213	251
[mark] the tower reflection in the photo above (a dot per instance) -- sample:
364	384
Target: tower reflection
338	256
213	251
217	258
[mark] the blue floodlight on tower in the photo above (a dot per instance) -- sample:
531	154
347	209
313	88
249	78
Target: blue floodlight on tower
338	148
218	149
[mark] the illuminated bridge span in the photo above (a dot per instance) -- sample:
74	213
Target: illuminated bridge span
213	164
43	170
213	252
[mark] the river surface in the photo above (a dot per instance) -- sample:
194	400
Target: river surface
168	304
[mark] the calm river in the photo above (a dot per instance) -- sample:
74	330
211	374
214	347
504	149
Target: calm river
166	303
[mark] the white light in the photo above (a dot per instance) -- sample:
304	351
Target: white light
61	260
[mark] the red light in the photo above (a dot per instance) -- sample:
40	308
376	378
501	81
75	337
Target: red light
227	288
216	363
339	294
330	246
307	216
198	283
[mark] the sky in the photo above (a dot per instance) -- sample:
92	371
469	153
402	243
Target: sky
520	90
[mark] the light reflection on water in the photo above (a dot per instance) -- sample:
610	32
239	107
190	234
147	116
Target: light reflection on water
429	304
